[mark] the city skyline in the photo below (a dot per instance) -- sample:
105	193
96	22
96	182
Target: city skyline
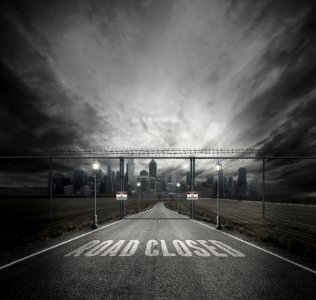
158	149
157	74
156	178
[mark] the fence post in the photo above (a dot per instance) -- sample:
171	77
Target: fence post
121	186
192	184
263	186
50	185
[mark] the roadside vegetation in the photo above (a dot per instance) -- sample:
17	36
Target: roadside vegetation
25	220
292	227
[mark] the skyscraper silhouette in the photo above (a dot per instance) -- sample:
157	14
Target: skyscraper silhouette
152	169
109	180
242	176
130	166
241	184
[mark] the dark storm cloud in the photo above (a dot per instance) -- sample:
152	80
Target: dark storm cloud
281	114
191	74
25	125
36	112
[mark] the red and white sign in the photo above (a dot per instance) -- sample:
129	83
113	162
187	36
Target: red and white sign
192	196
121	195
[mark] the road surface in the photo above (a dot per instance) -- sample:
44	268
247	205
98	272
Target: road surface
156	258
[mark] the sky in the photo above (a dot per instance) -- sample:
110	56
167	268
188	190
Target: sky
157	74
173	74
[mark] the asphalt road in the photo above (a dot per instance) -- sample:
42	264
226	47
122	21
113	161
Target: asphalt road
156	258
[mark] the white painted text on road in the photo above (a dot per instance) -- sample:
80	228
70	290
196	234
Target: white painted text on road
187	248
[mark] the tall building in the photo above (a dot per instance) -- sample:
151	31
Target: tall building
118	180
209	179
242	176
152	184
241	191
80	179
230	187
152	169
131	178
109	180
254	189
158	184
145	183
174	177
188	178
99	175
143	173
221	183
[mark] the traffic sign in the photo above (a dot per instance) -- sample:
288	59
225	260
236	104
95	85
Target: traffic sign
192	196
121	195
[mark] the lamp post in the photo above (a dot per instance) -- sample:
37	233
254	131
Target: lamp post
138	188
95	167
218	168
178	186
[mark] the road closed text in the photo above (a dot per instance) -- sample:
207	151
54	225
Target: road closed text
187	248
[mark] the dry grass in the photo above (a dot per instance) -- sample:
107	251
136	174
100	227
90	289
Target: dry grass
285	226
26	220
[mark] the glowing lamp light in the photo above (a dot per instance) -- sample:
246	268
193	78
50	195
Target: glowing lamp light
218	166
139	184
178	184
95	166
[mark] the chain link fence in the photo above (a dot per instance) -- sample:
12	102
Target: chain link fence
46	196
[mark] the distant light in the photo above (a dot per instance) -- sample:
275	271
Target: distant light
95	166
218	166
178	184
138	184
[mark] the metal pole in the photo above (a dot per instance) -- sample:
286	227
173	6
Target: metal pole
95	192
51	187
218	218
178	201
138	199
192	173
263	187
121	186
95	217
224	196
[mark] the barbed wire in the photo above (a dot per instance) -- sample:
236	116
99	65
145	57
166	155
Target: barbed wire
161	153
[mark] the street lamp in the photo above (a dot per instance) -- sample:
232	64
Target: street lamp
178	186
95	167
138	188
218	168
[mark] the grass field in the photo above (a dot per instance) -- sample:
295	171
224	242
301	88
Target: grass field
24	220
290	226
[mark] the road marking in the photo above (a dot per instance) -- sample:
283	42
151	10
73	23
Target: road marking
153	248
149	251
113	250
55	246
212	249
199	251
227	249
262	249
81	249
181	248
164	249
96	250
130	248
